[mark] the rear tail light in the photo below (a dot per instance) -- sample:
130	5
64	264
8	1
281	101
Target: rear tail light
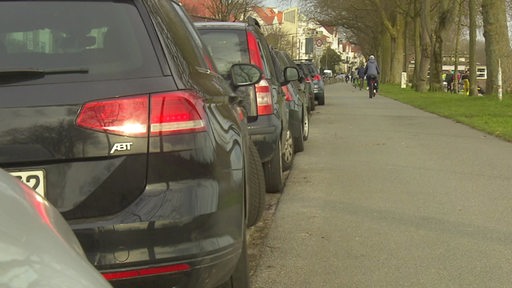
146	272
168	113
264	95
287	93
254	50
308	79
317	77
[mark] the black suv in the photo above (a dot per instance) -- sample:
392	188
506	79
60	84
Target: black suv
114	111
243	42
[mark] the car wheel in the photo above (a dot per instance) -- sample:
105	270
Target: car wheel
298	140
288	151
256	187
273	170
240	277
305	134
321	99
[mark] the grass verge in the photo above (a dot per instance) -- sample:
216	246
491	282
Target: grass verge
485	113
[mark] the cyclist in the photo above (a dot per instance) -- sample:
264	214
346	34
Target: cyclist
372	71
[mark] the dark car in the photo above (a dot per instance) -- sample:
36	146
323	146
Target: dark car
115	113
307	80
39	248
243	42
318	82
297	101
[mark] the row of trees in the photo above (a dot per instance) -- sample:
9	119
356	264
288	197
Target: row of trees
399	30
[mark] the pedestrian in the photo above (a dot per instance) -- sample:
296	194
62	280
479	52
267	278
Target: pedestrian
360	75
449	81
465	81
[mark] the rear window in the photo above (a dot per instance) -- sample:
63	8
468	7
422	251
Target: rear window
75	40
226	47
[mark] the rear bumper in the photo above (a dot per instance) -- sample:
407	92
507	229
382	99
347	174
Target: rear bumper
198	223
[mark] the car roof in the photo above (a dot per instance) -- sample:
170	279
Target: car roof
222	25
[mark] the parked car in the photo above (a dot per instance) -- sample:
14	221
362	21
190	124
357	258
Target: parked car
115	112
38	247
318	82
243	42
297	102
307	80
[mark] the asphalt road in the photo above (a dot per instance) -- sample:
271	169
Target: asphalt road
386	195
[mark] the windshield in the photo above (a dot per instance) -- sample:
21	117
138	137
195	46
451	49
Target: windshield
105	38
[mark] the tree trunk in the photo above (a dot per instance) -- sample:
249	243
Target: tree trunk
397	45
444	13
425	46
497	44
417	47
473	90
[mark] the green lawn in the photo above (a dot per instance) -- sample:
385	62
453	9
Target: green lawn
485	113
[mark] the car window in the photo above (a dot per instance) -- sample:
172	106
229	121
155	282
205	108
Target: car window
227	48
91	37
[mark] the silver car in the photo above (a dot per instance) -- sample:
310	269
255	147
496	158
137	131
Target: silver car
38	247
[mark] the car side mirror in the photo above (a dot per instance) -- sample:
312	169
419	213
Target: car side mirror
291	74
245	75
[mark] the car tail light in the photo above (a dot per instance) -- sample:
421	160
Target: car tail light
264	95
287	93
146	272
171	112
254	50
317	77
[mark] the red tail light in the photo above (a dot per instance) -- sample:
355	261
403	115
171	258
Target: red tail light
287	93
172	112
146	272
264	95
317	77
254	50
308	79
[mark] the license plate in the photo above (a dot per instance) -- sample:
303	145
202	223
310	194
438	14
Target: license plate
33	178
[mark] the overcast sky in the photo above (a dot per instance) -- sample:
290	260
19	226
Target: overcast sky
280	4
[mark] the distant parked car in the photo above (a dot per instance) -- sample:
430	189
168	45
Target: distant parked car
237	42
306	78
39	249
115	112
297	102
318	82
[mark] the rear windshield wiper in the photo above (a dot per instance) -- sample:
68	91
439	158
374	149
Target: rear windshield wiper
24	74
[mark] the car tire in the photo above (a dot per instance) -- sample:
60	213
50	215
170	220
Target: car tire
256	186
288	151
273	170
298	140
321	99
240	277
305	134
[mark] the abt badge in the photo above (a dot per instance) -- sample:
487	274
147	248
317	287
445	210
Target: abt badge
121	147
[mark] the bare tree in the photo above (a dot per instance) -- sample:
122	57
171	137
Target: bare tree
230	10
278	38
497	44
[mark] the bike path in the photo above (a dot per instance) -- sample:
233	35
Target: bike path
386	195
